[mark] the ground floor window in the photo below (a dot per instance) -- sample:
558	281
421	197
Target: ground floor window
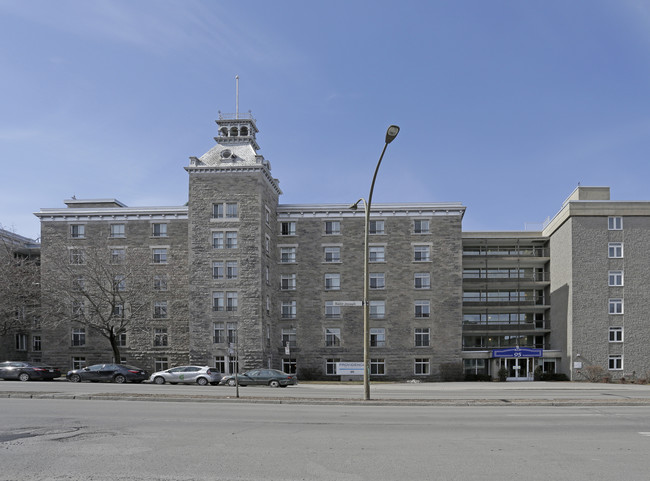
474	366
78	362
615	363
220	363
422	366
330	366
549	366
233	364
289	365
378	367
21	342
161	363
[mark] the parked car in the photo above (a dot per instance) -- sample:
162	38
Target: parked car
26	371
201	375
270	377
119	373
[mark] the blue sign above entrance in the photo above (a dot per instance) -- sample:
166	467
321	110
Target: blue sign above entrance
518	352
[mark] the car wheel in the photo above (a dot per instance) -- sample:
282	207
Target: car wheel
232	382
202	381
119	379
75	378
159	380
274	383
23	376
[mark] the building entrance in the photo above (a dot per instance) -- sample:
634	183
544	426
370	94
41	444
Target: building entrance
520	368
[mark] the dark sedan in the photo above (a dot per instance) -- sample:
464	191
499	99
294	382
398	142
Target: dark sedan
119	373
265	377
26	371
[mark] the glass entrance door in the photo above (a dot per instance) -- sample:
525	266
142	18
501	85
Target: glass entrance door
518	367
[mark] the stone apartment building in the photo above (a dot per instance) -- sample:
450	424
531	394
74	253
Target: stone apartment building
258	283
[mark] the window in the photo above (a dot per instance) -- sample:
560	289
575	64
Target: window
615	334
422	337
267	275
289	337
615	223
287	254
267	244
332	336
267	215
615	278
217	270
377	367
422	280
289	365
159	230
616	306
231	301
231	240
218	333
77	308
79	284
161	363
220	363
160	283
377	337
78	231
615	250
288	309
78	337
332	227
76	256
231	331
376	227
117	230
119	284
376	254
288	228
615	363
160	337
288	282
233	364
421	226
160	310
421	366
421	253
217	211
377	280
118	255
421	308
118	311
330	366
332	311
332	282
268	305
377	309
78	362
120	340
218	301
160	256
36	343
332	254
217	240
21	342
232	210
232	270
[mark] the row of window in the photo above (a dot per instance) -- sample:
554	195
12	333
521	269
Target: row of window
117	231
332	254
159	283
377	309
375	227
160	309
379	367
118	255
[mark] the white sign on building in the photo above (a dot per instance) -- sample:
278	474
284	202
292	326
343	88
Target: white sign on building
350	368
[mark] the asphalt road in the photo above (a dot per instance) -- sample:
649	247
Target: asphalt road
428	393
50	439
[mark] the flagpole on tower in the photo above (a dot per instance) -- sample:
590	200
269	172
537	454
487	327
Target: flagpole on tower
236	96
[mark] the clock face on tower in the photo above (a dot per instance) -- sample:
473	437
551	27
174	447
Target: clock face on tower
226	154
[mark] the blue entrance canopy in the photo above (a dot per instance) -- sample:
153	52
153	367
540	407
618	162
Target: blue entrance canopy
518	352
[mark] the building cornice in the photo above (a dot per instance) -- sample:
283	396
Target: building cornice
112	213
376	210
240	169
596	208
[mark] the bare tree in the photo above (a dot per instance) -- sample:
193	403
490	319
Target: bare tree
19	284
109	290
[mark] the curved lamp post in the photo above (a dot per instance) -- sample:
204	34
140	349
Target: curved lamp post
391	133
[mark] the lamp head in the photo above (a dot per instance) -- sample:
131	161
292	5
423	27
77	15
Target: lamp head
391	133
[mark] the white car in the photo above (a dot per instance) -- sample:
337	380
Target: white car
201	375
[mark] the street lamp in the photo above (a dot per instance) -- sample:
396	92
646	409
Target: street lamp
391	133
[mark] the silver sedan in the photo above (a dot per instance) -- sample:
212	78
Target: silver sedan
201	375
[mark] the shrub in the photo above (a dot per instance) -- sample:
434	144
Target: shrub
310	374
451	371
478	377
503	374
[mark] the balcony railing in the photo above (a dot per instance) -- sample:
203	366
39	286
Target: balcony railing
506	251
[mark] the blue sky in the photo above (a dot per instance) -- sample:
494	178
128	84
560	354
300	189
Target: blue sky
504	106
